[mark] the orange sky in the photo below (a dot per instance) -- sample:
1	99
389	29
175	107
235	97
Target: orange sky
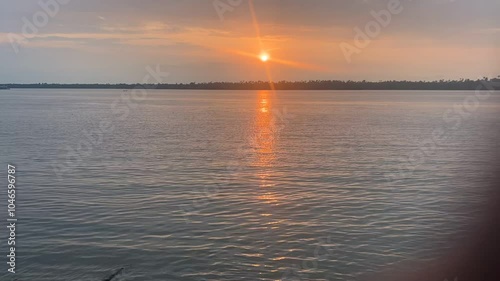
89	41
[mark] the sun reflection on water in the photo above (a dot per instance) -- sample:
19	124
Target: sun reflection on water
264	144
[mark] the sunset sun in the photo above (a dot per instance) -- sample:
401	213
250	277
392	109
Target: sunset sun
264	57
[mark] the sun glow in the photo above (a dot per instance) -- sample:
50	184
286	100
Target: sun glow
264	57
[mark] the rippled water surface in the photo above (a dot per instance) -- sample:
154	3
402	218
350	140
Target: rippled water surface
240	185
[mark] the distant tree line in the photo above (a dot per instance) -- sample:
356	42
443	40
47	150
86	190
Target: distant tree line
462	84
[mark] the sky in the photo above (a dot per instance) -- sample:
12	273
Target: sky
113	41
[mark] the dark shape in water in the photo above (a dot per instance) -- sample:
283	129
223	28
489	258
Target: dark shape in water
3	87
110	278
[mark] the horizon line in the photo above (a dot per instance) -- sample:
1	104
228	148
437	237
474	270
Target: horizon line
256	81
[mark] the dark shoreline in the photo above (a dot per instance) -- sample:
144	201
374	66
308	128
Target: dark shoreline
466	85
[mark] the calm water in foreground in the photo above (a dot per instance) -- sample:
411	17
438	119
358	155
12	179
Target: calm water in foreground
240	185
